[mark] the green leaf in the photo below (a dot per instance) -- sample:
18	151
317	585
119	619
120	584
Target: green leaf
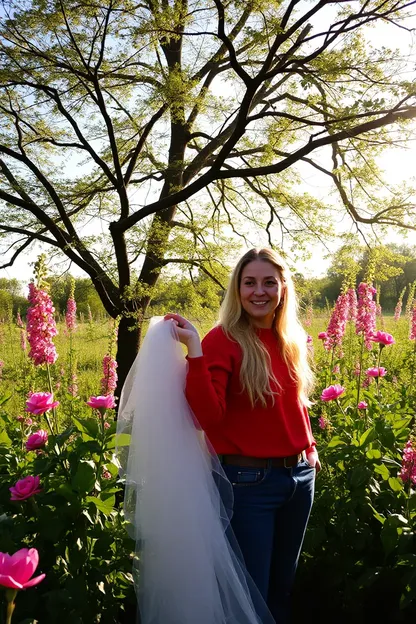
389	537
368	436
382	470
105	506
4	399
84	478
87	425
359	476
123	439
4	438
336	441
373	454
395	484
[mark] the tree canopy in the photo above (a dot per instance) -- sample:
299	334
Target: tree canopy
136	135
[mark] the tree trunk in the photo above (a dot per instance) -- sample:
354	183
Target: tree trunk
128	341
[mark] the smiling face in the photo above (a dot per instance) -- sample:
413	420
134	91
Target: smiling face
261	290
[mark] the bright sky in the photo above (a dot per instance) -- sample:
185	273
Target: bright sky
398	164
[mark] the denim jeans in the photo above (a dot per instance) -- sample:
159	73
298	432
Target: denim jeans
271	512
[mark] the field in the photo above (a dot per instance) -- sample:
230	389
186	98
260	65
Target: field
361	540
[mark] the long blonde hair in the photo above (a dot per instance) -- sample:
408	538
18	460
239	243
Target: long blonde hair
256	374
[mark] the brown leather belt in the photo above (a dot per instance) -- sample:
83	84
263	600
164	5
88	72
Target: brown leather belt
261	462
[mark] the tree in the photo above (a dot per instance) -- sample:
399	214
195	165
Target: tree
183	114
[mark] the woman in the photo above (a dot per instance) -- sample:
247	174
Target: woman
247	385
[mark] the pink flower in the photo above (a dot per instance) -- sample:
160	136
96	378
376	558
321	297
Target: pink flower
375	371
16	570
23	343
408	471
71	314
109	380
323	422
352	304
362	405
309	339
102	402
413	325
28	422
309	316
398	310
366	313
1	368
73	386
106	474
383	338
332	392
20	419
19	320
25	488
337	323
40	402
107	425
322	335
41	327
336	369
37	440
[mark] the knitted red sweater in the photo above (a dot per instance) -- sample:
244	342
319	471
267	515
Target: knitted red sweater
232	425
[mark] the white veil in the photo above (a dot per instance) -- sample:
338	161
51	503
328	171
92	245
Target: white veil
178	499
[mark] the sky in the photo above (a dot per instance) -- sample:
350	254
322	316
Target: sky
398	164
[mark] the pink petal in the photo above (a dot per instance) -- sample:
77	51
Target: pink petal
24	564
8	581
34	581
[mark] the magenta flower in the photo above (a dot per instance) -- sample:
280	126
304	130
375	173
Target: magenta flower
109	380
398	310
23	343
408	471
376	371
19	320
309	339
41	327
323	422
71	314
102	403
352	304
37	440
383	338
337	323
322	335
366	313
25	488
73	386
40	402
362	405
332	392
16	570
413	325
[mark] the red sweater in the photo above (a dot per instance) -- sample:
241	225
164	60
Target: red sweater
224	412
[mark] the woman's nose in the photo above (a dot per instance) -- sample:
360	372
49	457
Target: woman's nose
259	290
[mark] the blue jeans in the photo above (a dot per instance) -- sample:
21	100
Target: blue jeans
271	512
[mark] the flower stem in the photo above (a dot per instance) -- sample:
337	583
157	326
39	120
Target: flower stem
361	367
55	417
10	596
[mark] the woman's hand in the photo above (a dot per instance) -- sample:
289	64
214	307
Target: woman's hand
313	459
187	334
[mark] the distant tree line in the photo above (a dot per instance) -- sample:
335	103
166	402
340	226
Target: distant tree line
394	268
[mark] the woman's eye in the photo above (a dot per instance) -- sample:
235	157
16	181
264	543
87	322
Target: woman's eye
271	283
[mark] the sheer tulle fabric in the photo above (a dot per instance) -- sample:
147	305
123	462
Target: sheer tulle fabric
178	500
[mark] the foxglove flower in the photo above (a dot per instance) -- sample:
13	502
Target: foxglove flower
366	313
41	327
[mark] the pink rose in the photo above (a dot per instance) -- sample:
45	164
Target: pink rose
102	403
383	338
376	371
40	402
25	488
16	570
362	405
322	335
332	392
37	440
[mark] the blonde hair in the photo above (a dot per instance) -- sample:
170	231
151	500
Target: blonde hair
256	374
